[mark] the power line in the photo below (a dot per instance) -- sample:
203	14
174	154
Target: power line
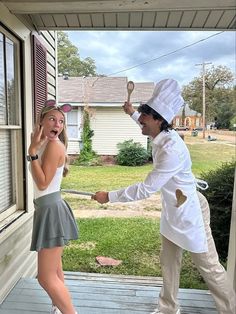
157	58
165	55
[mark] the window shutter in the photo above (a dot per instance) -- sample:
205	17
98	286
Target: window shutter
40	75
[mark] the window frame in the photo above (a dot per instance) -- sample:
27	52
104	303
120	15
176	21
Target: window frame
17	165
76	124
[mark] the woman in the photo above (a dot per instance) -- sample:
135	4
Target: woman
54	224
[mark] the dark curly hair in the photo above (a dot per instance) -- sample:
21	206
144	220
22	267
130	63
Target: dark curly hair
144	108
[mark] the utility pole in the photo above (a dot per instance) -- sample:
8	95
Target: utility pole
203	97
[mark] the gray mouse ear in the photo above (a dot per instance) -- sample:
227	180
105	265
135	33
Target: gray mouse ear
66	107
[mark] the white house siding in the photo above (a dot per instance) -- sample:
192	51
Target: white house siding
109	131
73	147
16	260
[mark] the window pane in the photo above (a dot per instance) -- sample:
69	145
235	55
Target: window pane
72	117
7	193
11	83
72	131
3	120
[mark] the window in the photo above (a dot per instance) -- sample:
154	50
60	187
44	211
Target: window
74	124
11	163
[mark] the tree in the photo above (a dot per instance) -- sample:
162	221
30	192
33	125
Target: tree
183	115
225	107
219	93
69	60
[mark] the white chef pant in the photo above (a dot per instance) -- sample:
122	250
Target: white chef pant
208	265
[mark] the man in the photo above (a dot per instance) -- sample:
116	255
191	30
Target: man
185	212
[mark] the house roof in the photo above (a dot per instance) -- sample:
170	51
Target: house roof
104	90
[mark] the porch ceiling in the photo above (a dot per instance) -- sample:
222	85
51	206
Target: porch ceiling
125	14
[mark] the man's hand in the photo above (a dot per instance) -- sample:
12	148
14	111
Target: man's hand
128	108
101	197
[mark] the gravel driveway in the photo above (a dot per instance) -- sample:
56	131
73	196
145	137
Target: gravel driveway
150	207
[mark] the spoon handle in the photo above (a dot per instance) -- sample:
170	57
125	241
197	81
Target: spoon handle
130	88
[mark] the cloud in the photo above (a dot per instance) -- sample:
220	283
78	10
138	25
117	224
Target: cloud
115	51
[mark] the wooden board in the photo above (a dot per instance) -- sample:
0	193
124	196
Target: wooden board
104	294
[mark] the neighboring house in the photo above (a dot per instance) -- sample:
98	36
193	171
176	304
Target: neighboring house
188	118
27	76
105	97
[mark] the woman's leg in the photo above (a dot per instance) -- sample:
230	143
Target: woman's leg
60	271
61	276
49	277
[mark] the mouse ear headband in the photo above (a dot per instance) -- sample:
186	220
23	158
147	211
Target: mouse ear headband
52	103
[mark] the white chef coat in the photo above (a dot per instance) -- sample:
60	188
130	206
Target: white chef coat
182	225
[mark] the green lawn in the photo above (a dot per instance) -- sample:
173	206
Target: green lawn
136	241
207	156
204	156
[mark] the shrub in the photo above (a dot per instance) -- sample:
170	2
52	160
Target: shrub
87	155
131	154
220	197
232	123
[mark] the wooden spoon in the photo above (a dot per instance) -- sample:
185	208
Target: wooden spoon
130	88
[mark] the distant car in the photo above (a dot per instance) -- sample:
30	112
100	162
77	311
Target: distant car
181	128
213	127
198	128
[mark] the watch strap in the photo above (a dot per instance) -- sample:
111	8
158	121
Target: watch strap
31	158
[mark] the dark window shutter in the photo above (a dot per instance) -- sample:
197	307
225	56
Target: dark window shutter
40	75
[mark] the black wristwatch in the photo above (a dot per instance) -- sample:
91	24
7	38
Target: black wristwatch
31	158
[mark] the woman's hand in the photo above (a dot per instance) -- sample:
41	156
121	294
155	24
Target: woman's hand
101	197
37	140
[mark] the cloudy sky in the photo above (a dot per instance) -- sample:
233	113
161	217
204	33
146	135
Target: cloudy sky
117	51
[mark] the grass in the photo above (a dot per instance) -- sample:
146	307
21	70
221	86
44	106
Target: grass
205	156
135	241
103	177
122	239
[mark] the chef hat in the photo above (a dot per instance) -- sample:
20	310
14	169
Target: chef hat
166	99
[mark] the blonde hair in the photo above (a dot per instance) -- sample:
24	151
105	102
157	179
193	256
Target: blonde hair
62	136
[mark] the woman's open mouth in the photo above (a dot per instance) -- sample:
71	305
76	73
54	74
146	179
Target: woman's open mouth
54	132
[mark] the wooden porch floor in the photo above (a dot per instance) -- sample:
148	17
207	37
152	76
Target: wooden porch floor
104	294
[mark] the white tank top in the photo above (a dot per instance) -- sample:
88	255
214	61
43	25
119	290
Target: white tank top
55	184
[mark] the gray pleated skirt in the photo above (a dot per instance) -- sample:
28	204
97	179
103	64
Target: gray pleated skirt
54	223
